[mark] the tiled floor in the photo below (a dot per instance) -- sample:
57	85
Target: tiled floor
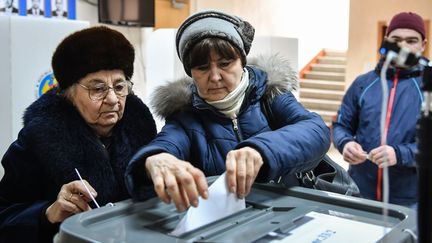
334	154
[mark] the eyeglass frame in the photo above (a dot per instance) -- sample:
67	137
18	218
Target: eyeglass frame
128	83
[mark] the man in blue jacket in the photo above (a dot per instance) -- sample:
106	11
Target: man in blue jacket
356	132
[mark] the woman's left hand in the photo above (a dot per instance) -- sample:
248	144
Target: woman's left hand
242	167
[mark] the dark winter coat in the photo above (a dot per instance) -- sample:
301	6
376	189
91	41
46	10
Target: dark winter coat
359	120
198	133
54	141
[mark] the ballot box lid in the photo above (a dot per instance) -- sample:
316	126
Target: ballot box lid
272	213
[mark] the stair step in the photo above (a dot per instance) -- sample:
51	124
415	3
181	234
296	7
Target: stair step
335	53
321	94
325	76
328	67
327	116
322	84
319	104
332	60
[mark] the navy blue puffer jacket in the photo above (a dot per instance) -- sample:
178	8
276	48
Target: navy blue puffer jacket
198	133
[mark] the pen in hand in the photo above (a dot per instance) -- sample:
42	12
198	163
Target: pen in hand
91	195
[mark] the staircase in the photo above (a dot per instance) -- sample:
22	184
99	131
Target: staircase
322	84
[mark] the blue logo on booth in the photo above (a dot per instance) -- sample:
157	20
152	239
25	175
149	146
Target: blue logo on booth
47	82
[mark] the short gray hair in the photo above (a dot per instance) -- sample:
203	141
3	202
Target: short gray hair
69	92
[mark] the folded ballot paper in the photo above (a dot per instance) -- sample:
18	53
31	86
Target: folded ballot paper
219	204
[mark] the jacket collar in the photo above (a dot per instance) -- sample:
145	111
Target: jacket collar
54	126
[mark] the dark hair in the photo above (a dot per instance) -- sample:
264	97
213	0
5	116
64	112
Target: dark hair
200	53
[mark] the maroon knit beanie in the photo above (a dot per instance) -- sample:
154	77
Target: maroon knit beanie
407	20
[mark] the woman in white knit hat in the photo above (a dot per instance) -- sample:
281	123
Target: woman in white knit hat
215	122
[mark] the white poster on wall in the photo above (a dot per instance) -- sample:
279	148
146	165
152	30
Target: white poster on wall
35	8
59	9
9	7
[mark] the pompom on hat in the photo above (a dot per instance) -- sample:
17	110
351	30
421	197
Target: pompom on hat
91	50
212	23
407	20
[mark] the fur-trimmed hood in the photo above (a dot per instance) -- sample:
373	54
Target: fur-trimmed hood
177	95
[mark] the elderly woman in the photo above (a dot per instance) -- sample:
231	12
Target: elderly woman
90	122
215	122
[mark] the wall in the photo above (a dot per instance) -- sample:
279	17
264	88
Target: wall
169	15
363	25
315	23
137	36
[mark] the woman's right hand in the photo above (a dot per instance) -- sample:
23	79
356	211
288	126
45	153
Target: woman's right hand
73	198
176	180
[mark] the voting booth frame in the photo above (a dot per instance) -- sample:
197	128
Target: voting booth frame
272	214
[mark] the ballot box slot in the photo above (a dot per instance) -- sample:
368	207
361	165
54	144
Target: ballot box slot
280	220
252	211
225	224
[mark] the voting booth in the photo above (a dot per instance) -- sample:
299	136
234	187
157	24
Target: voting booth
272	214
27	45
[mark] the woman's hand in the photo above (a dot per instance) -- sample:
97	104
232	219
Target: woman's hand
176	180
242	167
73	198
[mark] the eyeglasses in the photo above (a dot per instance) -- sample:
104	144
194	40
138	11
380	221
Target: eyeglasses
99	91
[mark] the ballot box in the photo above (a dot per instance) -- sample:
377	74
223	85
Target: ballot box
272	214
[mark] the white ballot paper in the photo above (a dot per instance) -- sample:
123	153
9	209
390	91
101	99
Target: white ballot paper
219	204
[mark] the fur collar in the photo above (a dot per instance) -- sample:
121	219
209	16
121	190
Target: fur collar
60	140
177	95
52	108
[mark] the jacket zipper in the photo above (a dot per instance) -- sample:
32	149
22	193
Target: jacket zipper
237	130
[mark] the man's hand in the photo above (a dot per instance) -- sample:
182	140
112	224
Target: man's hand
377	156
176	180
353	153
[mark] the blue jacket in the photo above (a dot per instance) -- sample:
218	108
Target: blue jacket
54	141
198	133
359	120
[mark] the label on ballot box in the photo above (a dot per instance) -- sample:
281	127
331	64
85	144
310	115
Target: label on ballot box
318	227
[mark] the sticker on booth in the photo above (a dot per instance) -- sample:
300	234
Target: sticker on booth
45	83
